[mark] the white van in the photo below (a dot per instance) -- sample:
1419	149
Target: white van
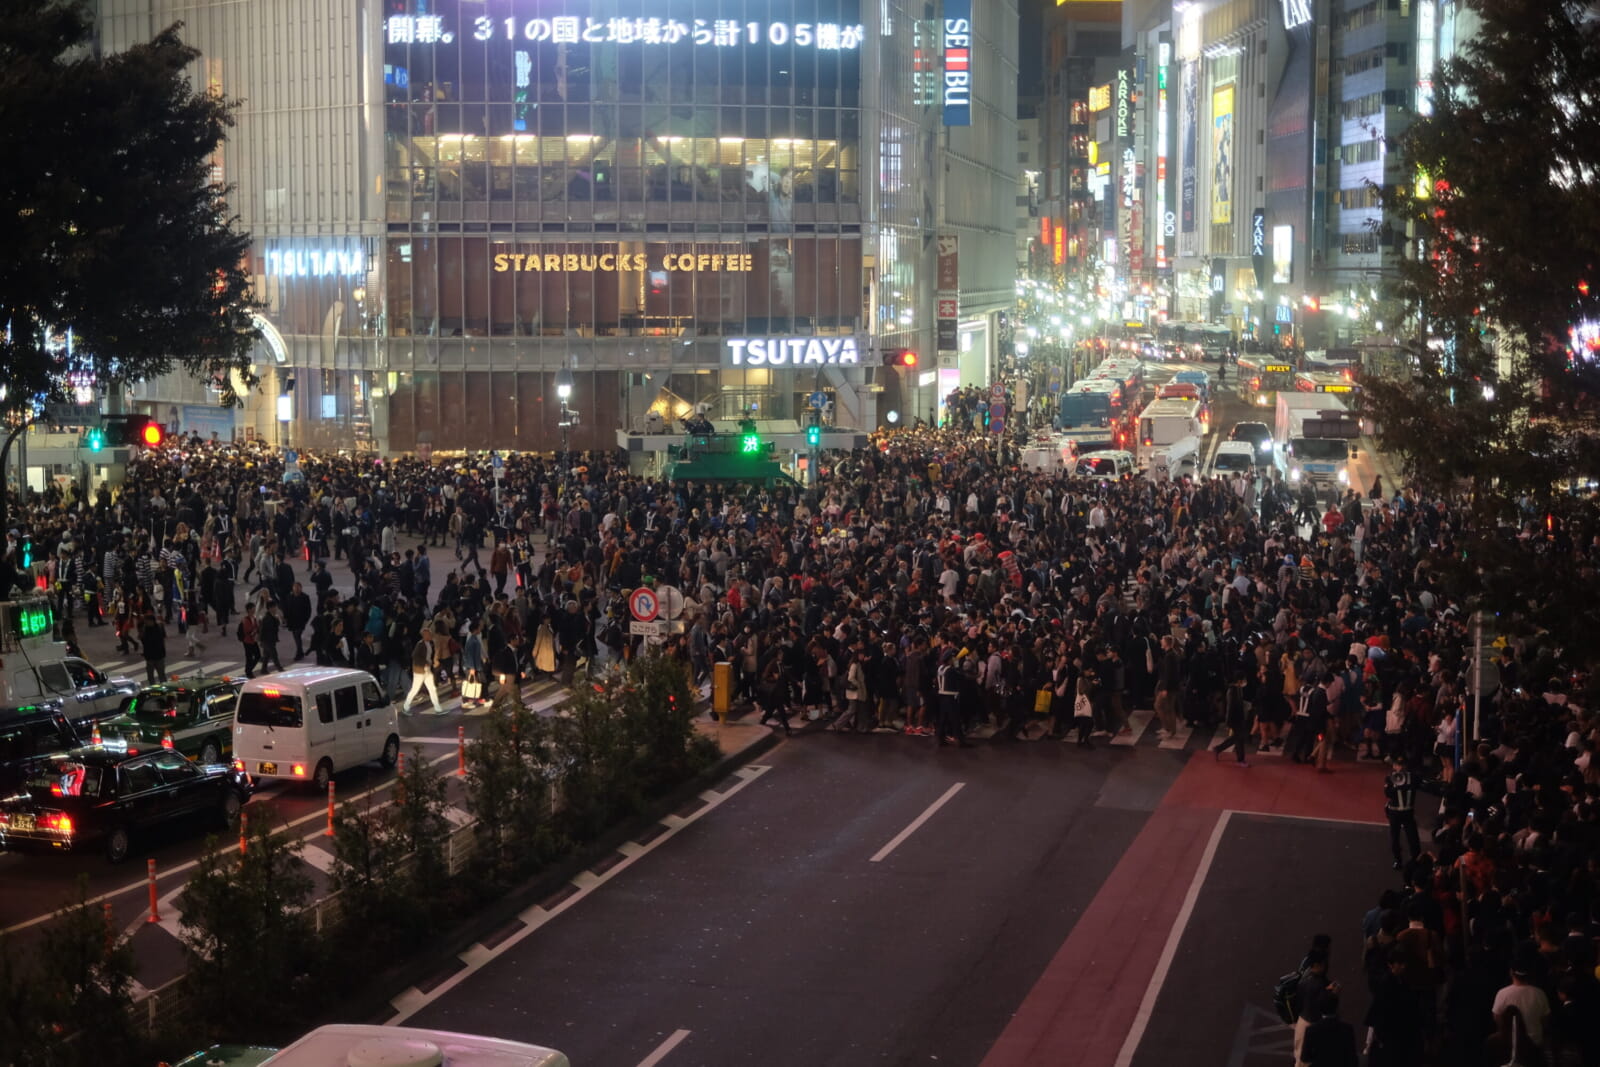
1054	455
309	723
1177	460
1109	465
1233	457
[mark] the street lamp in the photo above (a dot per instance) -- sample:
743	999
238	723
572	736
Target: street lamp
564	394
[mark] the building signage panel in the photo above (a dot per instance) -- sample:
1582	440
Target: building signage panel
1295	13
315	262
1222	155
1258	246
1282	255
1188	145
1100	97
1124	110
550	259
646	32
790	351
958	62
949	274
948	339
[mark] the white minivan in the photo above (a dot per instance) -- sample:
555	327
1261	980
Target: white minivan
309	723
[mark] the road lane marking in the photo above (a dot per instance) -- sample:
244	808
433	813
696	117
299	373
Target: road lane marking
413	1000
916	824
673	1041
1147	1006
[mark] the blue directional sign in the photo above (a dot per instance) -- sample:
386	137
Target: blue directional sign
819	400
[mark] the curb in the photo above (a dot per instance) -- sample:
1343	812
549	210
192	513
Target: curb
373	1004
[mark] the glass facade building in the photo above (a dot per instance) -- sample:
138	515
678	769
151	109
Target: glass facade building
454	199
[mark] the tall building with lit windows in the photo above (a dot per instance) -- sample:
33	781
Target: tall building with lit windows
454	200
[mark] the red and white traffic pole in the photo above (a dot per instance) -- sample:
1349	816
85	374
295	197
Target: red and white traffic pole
330	809
155	914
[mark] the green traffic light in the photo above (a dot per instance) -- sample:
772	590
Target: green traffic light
750	444
96	440
813	435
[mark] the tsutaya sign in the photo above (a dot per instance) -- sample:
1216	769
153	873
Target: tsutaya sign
790	351
315	262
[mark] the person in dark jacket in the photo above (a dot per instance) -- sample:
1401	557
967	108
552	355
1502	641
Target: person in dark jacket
1330	1041
297	616
153	635
1237	720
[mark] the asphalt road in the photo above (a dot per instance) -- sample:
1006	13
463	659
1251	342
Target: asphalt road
768	931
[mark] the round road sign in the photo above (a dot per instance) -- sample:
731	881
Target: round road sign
642	602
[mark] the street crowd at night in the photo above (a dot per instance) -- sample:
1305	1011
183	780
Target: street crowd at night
928	590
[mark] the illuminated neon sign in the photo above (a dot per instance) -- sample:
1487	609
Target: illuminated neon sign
958	63
573	29
34	620
790	351
315	262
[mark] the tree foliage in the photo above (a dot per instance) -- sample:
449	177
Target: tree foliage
67	1002
1498	203
109	218
247	937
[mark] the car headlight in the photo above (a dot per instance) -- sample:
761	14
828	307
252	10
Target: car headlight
1294	474
1344	476
1266	446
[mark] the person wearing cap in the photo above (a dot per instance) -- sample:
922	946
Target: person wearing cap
1400	794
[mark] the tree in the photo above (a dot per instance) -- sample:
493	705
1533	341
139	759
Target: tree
1504	225
510	768
69	1001
111	224
247	937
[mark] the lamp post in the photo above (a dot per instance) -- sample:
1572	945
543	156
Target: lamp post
564	394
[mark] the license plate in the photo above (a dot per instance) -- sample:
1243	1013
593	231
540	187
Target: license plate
22	822
266	768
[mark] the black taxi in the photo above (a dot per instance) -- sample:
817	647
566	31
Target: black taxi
104	795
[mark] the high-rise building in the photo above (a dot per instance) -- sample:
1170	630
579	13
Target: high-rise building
714	205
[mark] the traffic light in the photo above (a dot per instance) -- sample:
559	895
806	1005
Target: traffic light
814	436
121	431
750	444
903	357
95	439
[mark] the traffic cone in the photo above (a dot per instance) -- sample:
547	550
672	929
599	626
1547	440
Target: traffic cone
166	739
94	738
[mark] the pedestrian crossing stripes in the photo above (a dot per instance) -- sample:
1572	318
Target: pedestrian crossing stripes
1138	723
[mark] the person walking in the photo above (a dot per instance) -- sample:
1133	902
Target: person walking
154	637
297	616
267	632
1400	793
249	634
1169	683
1237	719
423	658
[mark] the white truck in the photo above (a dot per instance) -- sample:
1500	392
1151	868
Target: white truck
1317	437
1167	422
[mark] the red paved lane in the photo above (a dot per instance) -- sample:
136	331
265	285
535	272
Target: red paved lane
1084	1004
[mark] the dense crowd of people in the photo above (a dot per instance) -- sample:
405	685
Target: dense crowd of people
927	587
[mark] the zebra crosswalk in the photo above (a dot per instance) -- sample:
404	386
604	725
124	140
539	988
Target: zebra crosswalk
184	668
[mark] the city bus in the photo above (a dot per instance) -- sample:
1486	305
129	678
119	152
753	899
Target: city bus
1324	382
1261	378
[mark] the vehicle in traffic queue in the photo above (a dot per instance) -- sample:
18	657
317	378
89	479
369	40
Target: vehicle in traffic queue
195	715
1258	434
26	734
36	669
1235	457
103	795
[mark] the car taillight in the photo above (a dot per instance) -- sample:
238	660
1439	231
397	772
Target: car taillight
59	823
299	770
238	765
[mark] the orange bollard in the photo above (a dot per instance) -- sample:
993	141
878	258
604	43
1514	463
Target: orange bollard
461	751
155	915
330	809
244	829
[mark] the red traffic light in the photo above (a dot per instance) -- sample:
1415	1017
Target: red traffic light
903	357
152	434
